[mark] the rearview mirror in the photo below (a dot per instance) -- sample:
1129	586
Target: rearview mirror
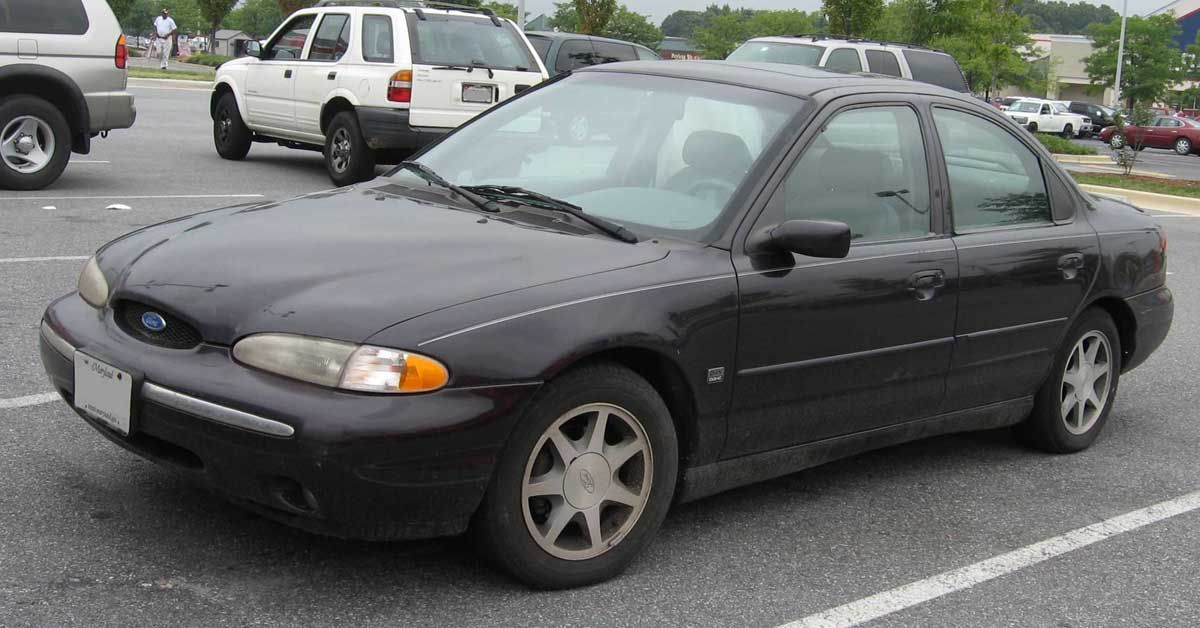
253	49
814	238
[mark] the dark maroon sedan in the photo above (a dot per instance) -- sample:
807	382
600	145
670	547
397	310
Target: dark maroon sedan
1179	134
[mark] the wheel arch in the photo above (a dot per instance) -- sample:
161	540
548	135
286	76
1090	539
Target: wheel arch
222	87
1123	317
55	87
336	104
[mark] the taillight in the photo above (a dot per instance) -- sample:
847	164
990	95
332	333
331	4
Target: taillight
121	57
400	86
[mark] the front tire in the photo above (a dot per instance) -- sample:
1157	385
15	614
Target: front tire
1073	404
1183	146
35	143
584	482
347	157
1067	132
231	136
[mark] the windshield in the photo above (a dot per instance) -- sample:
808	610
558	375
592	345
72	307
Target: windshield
776	52
465	41
1061	108
665	162
1026	107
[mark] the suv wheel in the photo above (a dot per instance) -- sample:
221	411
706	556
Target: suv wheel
35	143
1067	132
347	157
230	135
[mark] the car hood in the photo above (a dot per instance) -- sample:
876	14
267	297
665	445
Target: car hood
347	263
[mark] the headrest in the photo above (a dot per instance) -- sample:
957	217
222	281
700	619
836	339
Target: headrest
716	152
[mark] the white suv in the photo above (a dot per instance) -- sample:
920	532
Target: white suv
369	81
849	56
1048	116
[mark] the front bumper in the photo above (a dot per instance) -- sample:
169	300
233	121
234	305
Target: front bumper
1153	312
385	128
343	464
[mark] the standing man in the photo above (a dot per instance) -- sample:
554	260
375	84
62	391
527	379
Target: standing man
165	28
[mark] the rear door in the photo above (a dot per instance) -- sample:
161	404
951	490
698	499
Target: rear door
316	77
463	64
271	82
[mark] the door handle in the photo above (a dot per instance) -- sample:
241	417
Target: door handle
331	75
287	74
924	284
1070	265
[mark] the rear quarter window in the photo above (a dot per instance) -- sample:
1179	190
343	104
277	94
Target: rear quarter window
377	39
937	68
48	17
883	62
462	40
541	45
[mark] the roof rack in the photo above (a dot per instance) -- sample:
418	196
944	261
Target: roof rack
450	6
863	40
393	4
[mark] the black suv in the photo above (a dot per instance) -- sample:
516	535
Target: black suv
1101	116
563	52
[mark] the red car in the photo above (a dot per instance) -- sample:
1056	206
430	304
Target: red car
1179	134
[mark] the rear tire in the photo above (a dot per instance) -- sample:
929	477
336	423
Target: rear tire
1183	146
347	157
1073	404
231	137
544	536
1033	127
35	143
1117	141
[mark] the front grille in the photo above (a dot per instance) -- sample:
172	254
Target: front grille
176	335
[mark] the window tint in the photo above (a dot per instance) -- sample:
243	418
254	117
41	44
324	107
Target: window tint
866	169
995	180
883	62
844	60
458	40
646	54
938	68
541	45
290	43
574	54
332	38
607	52
51	17
377	39
775	52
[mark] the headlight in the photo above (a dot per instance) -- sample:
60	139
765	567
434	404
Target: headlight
338	364
93	287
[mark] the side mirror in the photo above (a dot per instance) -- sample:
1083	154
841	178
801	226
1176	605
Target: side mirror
814	238
254	49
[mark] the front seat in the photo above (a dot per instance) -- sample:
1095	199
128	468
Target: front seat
714	158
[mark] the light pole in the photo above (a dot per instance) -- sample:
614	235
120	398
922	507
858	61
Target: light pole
521	15
1120	56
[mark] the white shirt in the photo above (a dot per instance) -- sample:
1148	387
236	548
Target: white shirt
164	25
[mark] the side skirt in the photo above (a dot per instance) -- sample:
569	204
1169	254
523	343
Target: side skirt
710	479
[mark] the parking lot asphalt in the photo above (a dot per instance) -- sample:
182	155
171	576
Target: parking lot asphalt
1159	160
90	535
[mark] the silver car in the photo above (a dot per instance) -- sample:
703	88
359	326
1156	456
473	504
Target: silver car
62	82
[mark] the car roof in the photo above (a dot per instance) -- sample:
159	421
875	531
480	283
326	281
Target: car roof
793	80
823	39
563	36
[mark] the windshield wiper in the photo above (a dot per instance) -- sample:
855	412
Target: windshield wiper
468	68
427	173
537	199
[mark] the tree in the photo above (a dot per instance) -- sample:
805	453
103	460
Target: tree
683	23
256	17
503	9
791	22
629	26
594	14
1060	17
213	12
721	36
1152	62
852	17
291	6
564	18
988	49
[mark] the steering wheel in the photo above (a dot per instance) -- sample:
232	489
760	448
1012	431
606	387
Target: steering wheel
712	189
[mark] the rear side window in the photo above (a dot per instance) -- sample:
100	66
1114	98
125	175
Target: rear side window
541	45
610	53
774	52
49	17
332	38
646	54
937	68
377	39
844	60
574	54
883	62
464	41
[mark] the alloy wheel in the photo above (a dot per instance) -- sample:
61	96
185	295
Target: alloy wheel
1117	141
1183	146
224	124
340	151
587	481
1085	382
27	144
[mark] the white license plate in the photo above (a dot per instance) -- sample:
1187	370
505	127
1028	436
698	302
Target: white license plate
103	391
478	93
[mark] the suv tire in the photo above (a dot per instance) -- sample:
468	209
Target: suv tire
347	157
230	135
29	124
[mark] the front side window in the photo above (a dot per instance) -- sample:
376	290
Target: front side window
377	39
464	41
866	169
45	17
664	163
290	43
995	180
883	62
332	38
575	54
844	60
777	52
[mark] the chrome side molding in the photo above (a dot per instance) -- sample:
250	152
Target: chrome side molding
215	413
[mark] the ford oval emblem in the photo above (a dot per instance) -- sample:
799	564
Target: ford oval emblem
588	482
154	321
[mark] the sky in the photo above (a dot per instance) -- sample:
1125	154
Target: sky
659	9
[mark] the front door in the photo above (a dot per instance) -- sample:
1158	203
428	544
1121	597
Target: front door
316	78
835	346
1026	259
271	82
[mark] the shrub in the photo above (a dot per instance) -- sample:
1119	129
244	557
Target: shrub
204	58
1058	145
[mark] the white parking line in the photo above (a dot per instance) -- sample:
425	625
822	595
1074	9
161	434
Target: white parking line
81	161
882	604
123	196
57	258
31	400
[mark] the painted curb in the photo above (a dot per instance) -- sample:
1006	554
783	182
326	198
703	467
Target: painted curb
1148	200
1083	159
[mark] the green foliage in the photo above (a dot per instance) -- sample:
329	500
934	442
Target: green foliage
1060	17
204	58
988	47
137	16
594	15
564	18
855	18
213	11
1152	62
721	36
291	6
629	26
790	22
1058	145
256	17
725	29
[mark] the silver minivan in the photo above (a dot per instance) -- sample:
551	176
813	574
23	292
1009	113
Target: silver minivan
62	82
